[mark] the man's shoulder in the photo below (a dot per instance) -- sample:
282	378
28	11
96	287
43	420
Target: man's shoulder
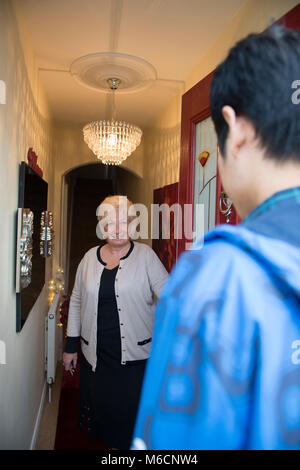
210	265
220	247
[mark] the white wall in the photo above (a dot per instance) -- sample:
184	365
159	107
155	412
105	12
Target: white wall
24	123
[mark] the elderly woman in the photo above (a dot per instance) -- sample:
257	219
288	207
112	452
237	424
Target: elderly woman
111	312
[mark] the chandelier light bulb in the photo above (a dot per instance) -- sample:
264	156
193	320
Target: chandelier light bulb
112	141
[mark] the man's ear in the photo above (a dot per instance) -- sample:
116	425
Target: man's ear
229	115
238	130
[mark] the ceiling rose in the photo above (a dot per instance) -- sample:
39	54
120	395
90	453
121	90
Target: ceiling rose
93	71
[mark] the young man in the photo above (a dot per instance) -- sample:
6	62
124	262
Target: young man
224	371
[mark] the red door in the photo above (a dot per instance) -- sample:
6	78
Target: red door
196	113
199	181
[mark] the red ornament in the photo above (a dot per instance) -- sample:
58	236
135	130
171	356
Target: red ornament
203	157
32	162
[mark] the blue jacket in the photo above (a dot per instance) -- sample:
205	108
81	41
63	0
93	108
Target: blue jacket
224	369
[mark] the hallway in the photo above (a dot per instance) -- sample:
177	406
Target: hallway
98	98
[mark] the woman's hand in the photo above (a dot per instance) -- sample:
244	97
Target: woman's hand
70	361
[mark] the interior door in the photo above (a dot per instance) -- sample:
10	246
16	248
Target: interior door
199	181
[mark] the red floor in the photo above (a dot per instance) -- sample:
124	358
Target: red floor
68	434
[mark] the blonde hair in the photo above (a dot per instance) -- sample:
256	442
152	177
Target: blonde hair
117	202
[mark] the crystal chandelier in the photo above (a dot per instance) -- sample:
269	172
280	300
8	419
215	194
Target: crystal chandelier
112	141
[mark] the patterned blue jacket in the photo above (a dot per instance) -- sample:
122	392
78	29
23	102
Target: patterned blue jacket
224	369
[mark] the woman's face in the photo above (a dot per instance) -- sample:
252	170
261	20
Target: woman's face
117	229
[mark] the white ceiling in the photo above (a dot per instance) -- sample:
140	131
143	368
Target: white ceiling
172	35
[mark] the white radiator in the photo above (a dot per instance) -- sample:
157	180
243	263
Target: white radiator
53	341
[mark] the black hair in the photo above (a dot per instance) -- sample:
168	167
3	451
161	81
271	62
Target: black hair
256	80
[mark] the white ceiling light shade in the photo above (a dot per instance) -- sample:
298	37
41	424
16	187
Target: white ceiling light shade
112	141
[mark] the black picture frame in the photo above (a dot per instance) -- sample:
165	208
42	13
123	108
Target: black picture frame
33	195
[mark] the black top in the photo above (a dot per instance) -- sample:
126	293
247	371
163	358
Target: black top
108	329
108	326
123	257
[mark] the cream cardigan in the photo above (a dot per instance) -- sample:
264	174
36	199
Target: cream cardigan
139	276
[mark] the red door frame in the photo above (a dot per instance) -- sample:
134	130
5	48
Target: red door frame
195	107
291	19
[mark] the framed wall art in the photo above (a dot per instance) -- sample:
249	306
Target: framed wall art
30	264
166	248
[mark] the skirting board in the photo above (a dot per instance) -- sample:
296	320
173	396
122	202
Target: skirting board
38	418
